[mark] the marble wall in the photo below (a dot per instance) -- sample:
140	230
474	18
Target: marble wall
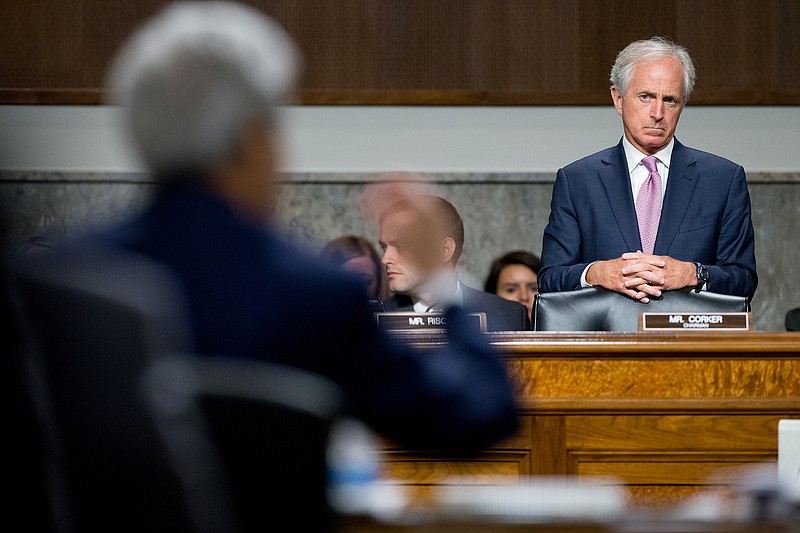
501	212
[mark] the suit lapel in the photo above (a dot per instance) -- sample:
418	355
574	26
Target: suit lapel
681	183
470	302
615	178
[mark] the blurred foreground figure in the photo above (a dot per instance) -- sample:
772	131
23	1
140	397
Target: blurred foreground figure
199	88
353	253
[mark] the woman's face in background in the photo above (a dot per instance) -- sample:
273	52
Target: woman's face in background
518	284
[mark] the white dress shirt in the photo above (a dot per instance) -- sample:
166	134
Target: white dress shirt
638	172
638	175
456	299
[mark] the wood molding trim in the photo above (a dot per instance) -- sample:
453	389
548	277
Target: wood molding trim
421	97
790	407
653	344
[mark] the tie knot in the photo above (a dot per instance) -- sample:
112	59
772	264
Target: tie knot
649	163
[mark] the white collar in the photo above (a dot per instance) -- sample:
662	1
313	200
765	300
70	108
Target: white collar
457	298
634	156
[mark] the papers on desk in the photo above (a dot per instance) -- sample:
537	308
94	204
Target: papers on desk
535	499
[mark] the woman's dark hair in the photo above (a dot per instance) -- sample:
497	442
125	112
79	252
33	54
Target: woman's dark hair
342	249
517	257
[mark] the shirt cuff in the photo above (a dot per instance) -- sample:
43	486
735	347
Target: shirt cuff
584	284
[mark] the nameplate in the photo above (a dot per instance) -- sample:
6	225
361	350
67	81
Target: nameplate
400	320
694	322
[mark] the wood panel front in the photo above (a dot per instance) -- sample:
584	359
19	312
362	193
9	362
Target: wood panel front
667	415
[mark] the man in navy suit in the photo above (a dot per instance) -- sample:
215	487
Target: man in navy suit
422	237
200	88
704	238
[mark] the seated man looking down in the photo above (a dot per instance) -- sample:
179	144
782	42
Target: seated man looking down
422	238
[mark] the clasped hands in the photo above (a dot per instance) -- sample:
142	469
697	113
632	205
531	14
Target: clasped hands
641	276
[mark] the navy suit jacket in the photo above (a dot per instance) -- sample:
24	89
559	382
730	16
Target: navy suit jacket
501	314
705	217
252	295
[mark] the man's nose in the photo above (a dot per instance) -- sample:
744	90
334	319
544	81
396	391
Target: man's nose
526	296
657	109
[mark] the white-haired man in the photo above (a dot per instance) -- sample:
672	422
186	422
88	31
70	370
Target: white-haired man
199	88
650	215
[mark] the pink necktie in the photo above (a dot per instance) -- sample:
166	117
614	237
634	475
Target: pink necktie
648	205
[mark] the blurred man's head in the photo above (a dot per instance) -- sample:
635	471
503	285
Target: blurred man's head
420	236
199	87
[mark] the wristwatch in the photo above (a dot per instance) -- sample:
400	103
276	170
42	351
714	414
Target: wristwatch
702	276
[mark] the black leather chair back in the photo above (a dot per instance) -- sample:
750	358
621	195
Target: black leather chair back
597	309
792	321
95	319
269	425
144	435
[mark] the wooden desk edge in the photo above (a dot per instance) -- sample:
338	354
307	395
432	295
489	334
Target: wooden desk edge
531	342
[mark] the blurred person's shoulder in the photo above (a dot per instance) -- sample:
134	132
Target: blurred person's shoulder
310	273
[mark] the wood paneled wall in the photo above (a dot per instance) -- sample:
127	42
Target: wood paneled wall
447	52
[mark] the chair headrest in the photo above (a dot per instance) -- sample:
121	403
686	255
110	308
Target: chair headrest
597	309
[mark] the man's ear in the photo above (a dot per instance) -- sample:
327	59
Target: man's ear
448	249
616	97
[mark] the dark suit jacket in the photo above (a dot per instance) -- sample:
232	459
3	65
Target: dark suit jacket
252	295
501	314
705	217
